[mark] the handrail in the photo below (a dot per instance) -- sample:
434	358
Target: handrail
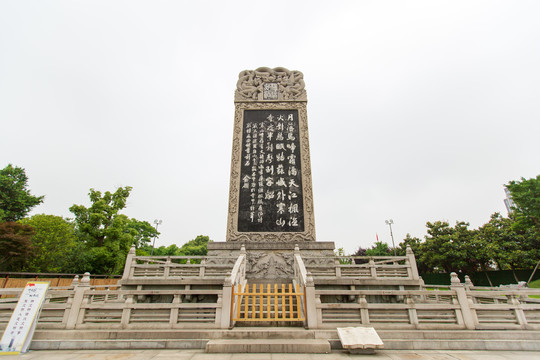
300	272
304	279
238	271
237	277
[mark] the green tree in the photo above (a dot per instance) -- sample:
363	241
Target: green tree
344	259
526	196
416	246
101	221
196	247
171	250
379	249
141	231
106	233
15	199
15	246
510	246
53	242
414	242
440	251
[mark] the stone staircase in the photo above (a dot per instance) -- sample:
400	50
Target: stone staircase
283	339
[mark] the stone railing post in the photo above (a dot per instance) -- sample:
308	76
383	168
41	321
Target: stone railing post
202	268
518	310
468	283
126	311
227	303
75	281
422	287
338	268
372	268
311	307
412	270
78	297
463	301
411	309
167	269
128	267
219	311
364	311
173	319
69	301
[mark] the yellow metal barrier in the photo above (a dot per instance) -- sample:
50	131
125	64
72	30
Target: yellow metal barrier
275	303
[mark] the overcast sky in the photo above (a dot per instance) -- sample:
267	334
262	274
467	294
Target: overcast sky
418	110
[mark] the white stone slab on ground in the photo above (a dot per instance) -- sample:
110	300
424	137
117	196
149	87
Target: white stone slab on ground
360	339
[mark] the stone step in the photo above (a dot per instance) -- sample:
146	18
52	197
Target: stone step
305	346
198	338
393	344
246	332
459	334
102	344
461	344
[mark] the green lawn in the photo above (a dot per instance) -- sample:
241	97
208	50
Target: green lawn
535	285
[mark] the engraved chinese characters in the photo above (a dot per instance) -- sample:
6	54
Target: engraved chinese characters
271	181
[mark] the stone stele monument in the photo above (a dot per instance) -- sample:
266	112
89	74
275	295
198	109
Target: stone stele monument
271	197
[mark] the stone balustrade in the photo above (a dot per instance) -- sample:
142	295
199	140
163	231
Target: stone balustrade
165	267
457	307
363	267
328	304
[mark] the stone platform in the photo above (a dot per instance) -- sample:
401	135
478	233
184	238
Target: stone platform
271	260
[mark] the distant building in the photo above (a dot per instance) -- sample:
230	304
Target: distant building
508	202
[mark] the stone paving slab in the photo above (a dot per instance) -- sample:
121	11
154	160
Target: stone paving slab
336	355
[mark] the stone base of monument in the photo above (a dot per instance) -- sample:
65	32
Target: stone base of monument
273	261
360	340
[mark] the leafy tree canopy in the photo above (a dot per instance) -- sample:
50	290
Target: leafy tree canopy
510	246
526	196
195	247
107	234
379	249
448	248
15	246
15	199
53	242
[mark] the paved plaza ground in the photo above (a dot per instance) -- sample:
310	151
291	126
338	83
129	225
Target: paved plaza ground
201	355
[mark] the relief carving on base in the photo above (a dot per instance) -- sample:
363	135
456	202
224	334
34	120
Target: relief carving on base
318	258
270	265
222	257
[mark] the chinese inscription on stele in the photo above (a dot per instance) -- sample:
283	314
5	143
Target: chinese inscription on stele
271	180
270	197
